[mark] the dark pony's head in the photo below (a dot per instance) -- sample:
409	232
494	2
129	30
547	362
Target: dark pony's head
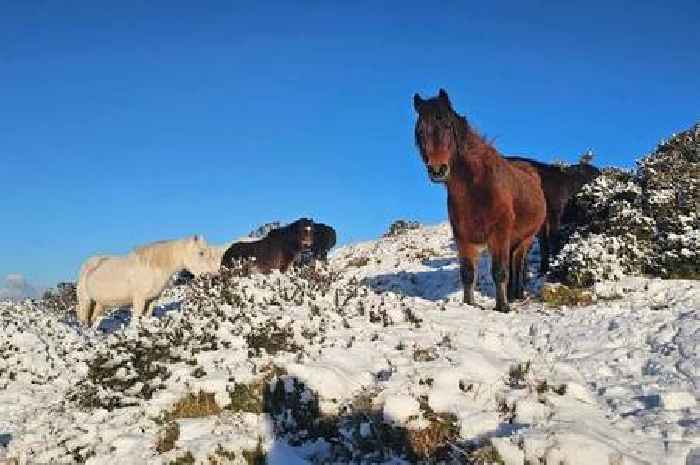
324	240
299	234
440	133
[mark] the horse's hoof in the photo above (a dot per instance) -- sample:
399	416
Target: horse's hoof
503	308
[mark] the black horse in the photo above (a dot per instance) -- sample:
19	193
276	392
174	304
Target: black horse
277	250
560	184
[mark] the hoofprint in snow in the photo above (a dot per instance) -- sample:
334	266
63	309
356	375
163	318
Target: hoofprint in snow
615	382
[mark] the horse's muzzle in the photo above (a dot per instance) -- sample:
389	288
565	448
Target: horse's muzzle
439	174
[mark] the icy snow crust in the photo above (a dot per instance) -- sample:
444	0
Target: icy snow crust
622	375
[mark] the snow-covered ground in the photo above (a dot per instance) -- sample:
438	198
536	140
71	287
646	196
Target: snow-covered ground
615	382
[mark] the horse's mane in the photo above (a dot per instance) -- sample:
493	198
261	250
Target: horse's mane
465	136
158	254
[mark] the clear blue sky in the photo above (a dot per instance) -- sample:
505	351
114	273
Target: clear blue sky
127	122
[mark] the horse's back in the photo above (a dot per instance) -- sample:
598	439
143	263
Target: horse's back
559	183
240	251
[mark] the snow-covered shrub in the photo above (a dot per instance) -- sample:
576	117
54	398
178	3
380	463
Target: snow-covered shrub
598	257
62	299
643	221
670	180
400	227
261	231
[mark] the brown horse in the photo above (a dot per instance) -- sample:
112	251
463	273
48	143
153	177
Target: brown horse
491	203
560	184
279	249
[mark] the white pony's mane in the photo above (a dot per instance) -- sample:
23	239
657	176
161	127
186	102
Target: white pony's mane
161	254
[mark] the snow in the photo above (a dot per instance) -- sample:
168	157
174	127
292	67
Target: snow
614	382
398	409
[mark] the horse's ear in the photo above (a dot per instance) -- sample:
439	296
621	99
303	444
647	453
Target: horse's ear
417	102
442	93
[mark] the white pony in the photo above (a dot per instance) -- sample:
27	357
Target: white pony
139	277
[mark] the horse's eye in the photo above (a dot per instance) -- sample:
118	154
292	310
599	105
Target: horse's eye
201	254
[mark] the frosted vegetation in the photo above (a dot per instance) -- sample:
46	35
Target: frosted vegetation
640	222
373	359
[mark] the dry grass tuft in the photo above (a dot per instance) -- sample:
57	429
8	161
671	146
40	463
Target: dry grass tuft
168	437
256	456
486	455
187	459
223	456
358	262
557	295
197	405
435	439
425	354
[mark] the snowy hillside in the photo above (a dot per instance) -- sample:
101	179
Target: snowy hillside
372	360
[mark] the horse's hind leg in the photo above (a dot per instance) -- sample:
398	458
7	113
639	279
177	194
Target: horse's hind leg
85	306
519	268
545	247
468	260
97	314
499	246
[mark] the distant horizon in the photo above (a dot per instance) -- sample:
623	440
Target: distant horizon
128	123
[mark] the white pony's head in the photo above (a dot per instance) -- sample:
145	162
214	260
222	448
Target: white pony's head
198	257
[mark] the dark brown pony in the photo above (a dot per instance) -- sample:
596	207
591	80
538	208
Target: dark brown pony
277	250
560	184
490	202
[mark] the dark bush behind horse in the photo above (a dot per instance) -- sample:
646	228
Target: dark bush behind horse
560	184
277	250
490	202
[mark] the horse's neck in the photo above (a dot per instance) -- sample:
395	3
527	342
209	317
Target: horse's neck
173	266
166	272
473	166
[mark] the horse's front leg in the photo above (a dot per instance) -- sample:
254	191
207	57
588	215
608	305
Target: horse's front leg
150	307
468	262
138	307
499	246
513	276
554	235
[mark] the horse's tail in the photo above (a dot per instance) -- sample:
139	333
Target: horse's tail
84	300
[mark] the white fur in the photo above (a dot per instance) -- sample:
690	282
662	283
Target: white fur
138	277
